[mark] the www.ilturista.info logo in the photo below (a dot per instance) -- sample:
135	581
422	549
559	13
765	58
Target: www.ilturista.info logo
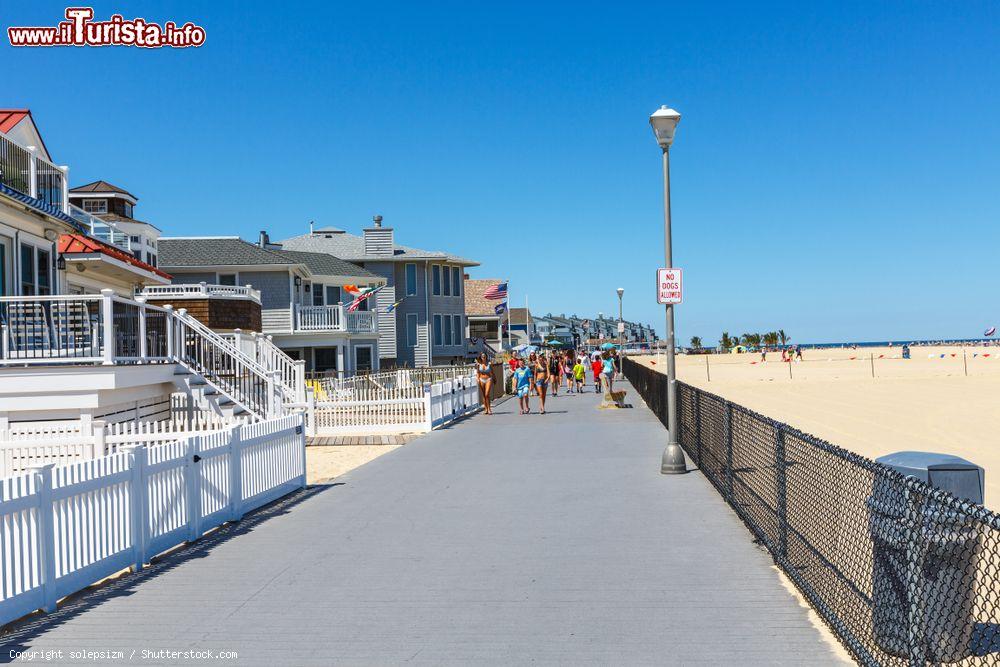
81	30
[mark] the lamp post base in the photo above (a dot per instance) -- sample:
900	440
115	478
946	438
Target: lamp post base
673	462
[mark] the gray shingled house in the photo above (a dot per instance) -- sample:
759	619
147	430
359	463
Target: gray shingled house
302	300
428	326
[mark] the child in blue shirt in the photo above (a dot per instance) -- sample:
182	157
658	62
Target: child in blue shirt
522	380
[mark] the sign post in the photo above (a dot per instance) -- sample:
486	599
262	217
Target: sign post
669	286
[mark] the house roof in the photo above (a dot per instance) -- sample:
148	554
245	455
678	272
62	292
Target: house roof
114	217
352	248
517	316
70	244
475	302
323	264
102	186
215	251
10	118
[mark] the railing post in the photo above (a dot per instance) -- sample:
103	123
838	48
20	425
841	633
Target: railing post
302	432
235	473
142	328
108	323
729	449
46	535
138	505
428	418
311	412
4	342
296	317
99	446
781	483
204	287
192	479
272	402
171	331
341	317
300	380
65	188
32	172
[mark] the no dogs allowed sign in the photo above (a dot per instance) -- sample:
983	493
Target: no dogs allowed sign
668	286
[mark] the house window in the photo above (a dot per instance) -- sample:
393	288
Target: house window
447	282
134	239
411	329
435	280
456	280
128	210
325	359
411	279
332	295
447	329
459	334
95	205
363	358
437	330
317	292
227	279
35	271
152	260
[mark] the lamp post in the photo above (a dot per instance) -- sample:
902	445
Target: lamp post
621	326
664	122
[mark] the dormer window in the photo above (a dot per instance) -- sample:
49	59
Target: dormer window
95	205
128	210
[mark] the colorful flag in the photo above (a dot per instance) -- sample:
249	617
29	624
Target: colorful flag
394	306
500	308
496	293
353	290
360	298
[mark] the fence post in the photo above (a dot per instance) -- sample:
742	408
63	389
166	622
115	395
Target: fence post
46	535
236	473
913	529
729	449
32	172
428	417
311	412
98	444
139	503
192	479
4	341
108	323
300	380
781	483
141	300
302	431
170	329
273	403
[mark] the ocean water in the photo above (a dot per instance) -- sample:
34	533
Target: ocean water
900	343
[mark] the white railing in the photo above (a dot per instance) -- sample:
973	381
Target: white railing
291	373
334	318
101	229
403	409
108	329
370	386
199	291
64	528
24	170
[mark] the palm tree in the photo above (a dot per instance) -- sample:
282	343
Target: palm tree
726	342
771	338
696	342
783	336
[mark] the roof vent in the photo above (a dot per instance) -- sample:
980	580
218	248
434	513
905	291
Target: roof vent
378	221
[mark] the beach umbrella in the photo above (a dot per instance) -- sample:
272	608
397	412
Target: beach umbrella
609	346
555	343
990	332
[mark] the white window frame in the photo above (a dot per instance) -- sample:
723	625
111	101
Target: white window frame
412	342
371	351
234	274
95	209
36	244
406	278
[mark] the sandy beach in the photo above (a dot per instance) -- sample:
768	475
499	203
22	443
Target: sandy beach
925	403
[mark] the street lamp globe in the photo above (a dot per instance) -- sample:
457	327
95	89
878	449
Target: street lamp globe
664	121
620	290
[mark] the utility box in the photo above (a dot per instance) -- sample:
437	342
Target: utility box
925	556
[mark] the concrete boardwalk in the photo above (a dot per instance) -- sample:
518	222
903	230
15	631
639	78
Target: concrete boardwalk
503	539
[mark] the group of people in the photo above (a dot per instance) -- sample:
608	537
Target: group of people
790	353
540	373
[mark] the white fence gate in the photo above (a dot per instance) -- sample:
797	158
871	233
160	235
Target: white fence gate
402	409
64	528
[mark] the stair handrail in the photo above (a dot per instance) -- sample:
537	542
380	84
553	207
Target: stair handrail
291	372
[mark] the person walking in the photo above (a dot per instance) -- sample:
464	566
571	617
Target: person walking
523	381
579	374
554	375
484	375
596	367
608	373
568	372
541	371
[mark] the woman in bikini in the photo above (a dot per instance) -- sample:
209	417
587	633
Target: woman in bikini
554	375
541	380
485	376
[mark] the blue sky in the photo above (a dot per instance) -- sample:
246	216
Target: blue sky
835	173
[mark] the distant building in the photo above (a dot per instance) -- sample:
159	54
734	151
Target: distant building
484	323
428	325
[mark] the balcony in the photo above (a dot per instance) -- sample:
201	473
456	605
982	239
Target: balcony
199	291
100	229
310	319
23	170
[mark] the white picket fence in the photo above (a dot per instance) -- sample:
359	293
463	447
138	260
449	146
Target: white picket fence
403	409
64	528
22	448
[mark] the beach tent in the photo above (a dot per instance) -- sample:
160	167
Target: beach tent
526	349
737	349
609	346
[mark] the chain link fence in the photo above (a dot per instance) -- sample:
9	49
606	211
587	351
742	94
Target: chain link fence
901	572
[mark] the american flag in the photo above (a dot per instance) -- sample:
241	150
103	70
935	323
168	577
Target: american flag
359	299
496	293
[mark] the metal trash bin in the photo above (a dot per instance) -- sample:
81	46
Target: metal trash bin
946	548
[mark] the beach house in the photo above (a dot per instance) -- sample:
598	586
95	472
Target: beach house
421	310
302	298
486	329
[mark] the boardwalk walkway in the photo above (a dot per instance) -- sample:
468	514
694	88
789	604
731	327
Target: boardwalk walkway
504	539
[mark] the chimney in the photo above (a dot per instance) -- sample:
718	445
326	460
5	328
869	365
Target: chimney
378	239
263	240
311	223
